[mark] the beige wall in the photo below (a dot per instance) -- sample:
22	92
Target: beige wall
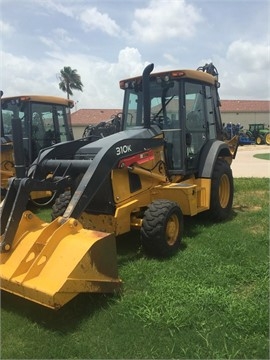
246	118
78	131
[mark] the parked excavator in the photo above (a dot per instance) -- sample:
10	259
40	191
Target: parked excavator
45	120
169	159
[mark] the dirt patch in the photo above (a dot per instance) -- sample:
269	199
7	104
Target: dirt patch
245	290
246	208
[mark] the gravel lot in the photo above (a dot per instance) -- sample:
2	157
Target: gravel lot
246	165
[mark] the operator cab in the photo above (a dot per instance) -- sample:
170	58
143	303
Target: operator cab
45	121
184	104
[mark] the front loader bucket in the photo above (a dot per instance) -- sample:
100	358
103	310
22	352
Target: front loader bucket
51	263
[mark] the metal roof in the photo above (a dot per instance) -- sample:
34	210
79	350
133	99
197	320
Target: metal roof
237	106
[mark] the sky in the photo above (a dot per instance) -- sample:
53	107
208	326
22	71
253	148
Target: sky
110	40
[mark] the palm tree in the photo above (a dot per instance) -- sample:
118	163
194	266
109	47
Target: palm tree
69	79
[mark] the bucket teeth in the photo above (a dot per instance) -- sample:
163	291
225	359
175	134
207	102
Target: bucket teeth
50	263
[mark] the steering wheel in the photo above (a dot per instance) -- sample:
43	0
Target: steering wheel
161	121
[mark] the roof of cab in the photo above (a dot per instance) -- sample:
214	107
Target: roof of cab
43	99
188	74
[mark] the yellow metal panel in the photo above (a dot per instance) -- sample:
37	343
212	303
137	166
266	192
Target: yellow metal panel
184	195
188	74
121	186
51	263
119	223
7	169
150	176
43	99
192	195
203	193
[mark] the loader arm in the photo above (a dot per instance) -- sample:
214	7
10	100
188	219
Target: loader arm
96	170
104	161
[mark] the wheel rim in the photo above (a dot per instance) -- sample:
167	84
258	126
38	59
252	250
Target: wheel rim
267	139
258	140
224	191
172	229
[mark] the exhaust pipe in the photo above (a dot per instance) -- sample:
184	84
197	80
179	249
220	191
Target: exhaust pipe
146	94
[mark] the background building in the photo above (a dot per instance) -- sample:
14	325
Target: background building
83	117
244	112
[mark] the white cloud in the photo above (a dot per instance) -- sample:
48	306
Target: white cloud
171	59
6	28
63	36
55	6
92	19
250	56
49	42
130	61
243	65
57	39
100	78
245	71
28	77
163	19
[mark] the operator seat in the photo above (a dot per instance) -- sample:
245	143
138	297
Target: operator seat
194	128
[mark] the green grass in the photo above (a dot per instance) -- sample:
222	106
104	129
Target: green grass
262	156
210	301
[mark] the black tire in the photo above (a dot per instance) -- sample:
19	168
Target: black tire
222	191
61	204
162	228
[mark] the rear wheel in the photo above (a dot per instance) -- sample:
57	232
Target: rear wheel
221	191
267	138
162	228
259	140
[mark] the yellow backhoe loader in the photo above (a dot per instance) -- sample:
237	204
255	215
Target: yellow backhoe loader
169	159
45	120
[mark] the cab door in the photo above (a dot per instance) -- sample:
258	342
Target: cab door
196	126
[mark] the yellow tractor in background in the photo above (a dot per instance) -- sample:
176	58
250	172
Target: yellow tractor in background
169	159
45	120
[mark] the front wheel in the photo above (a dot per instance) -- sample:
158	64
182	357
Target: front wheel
60	205
221	191
162	228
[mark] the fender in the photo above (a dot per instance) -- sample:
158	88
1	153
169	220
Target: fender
209	154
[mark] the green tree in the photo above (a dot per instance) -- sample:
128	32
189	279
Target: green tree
69	80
